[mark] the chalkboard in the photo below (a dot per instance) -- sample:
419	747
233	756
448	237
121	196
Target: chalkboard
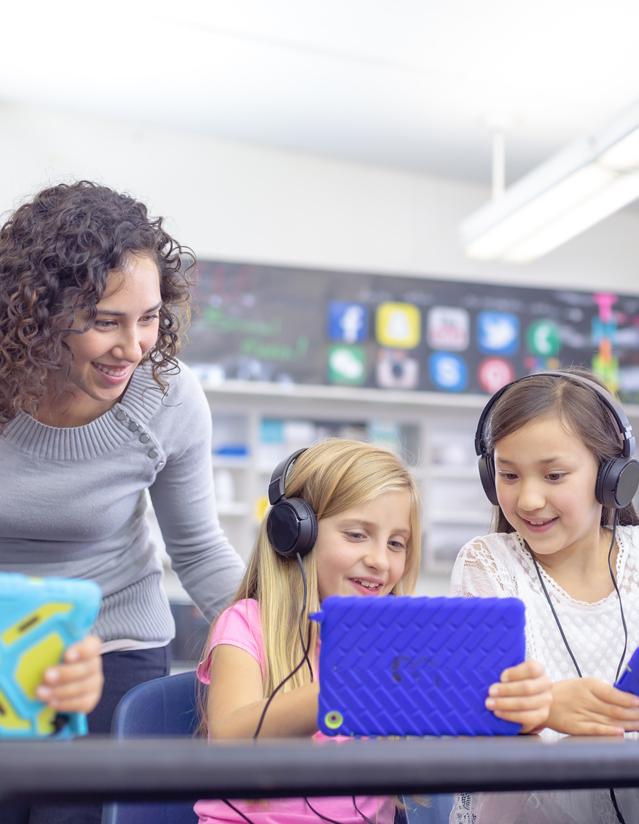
307	326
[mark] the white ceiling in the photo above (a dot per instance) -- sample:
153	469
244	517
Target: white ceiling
409	83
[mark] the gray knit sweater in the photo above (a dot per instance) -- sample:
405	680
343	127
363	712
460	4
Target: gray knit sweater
72	503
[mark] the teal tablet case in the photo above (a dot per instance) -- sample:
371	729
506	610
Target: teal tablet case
39	619
415	666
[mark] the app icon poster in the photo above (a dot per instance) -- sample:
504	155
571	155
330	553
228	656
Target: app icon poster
396	369
543	338
448	327
398	325
272	323
498	333
448	372
493	373
347	322
347	365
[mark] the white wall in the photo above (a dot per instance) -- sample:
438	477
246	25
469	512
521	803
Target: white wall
243	202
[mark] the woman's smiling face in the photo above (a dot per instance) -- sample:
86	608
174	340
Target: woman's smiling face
104	356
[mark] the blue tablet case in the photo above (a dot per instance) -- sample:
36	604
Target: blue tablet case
39	619
415	666
629	680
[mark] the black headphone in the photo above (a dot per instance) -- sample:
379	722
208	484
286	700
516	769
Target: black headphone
291	524
617	478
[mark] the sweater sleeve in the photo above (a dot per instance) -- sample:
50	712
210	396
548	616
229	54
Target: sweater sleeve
184	502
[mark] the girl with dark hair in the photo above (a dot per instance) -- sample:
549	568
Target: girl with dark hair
556	458
96	410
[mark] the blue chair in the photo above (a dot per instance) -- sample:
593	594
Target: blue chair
164	706
168	706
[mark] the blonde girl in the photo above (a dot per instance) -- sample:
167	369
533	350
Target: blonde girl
367	542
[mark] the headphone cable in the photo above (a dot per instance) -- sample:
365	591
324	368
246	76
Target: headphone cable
235	810
305	660
305	649
318	814
614	583
552	609
616	588
615	521
367	820
300	625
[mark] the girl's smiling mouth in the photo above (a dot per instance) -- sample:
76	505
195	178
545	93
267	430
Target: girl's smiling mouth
367	586
539	524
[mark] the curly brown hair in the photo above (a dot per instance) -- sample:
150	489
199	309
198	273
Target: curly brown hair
56	252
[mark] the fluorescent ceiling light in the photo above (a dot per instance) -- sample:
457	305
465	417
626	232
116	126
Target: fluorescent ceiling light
583	184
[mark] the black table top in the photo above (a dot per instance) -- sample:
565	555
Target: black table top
174	768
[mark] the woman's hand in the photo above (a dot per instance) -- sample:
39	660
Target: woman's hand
523	695
588	706
75	685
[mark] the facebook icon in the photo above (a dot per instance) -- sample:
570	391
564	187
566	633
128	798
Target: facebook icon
347	322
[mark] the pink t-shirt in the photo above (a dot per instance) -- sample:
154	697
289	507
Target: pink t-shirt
240	626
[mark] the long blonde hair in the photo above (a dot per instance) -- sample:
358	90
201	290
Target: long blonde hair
332	476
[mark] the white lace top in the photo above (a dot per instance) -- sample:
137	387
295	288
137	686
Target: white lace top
499	565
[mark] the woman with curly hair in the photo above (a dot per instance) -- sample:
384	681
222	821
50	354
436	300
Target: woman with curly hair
95	409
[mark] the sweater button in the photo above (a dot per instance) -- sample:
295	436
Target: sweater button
144	438
133	426
121	415
152	453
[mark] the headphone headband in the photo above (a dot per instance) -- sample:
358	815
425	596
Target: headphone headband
277	484
624	425
291	524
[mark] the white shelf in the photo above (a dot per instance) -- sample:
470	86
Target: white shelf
345	393
451	492
424	419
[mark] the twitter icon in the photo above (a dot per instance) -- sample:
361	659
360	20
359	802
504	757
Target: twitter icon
498	333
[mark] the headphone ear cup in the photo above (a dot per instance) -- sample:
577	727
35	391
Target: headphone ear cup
486	467
617	482
291	527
